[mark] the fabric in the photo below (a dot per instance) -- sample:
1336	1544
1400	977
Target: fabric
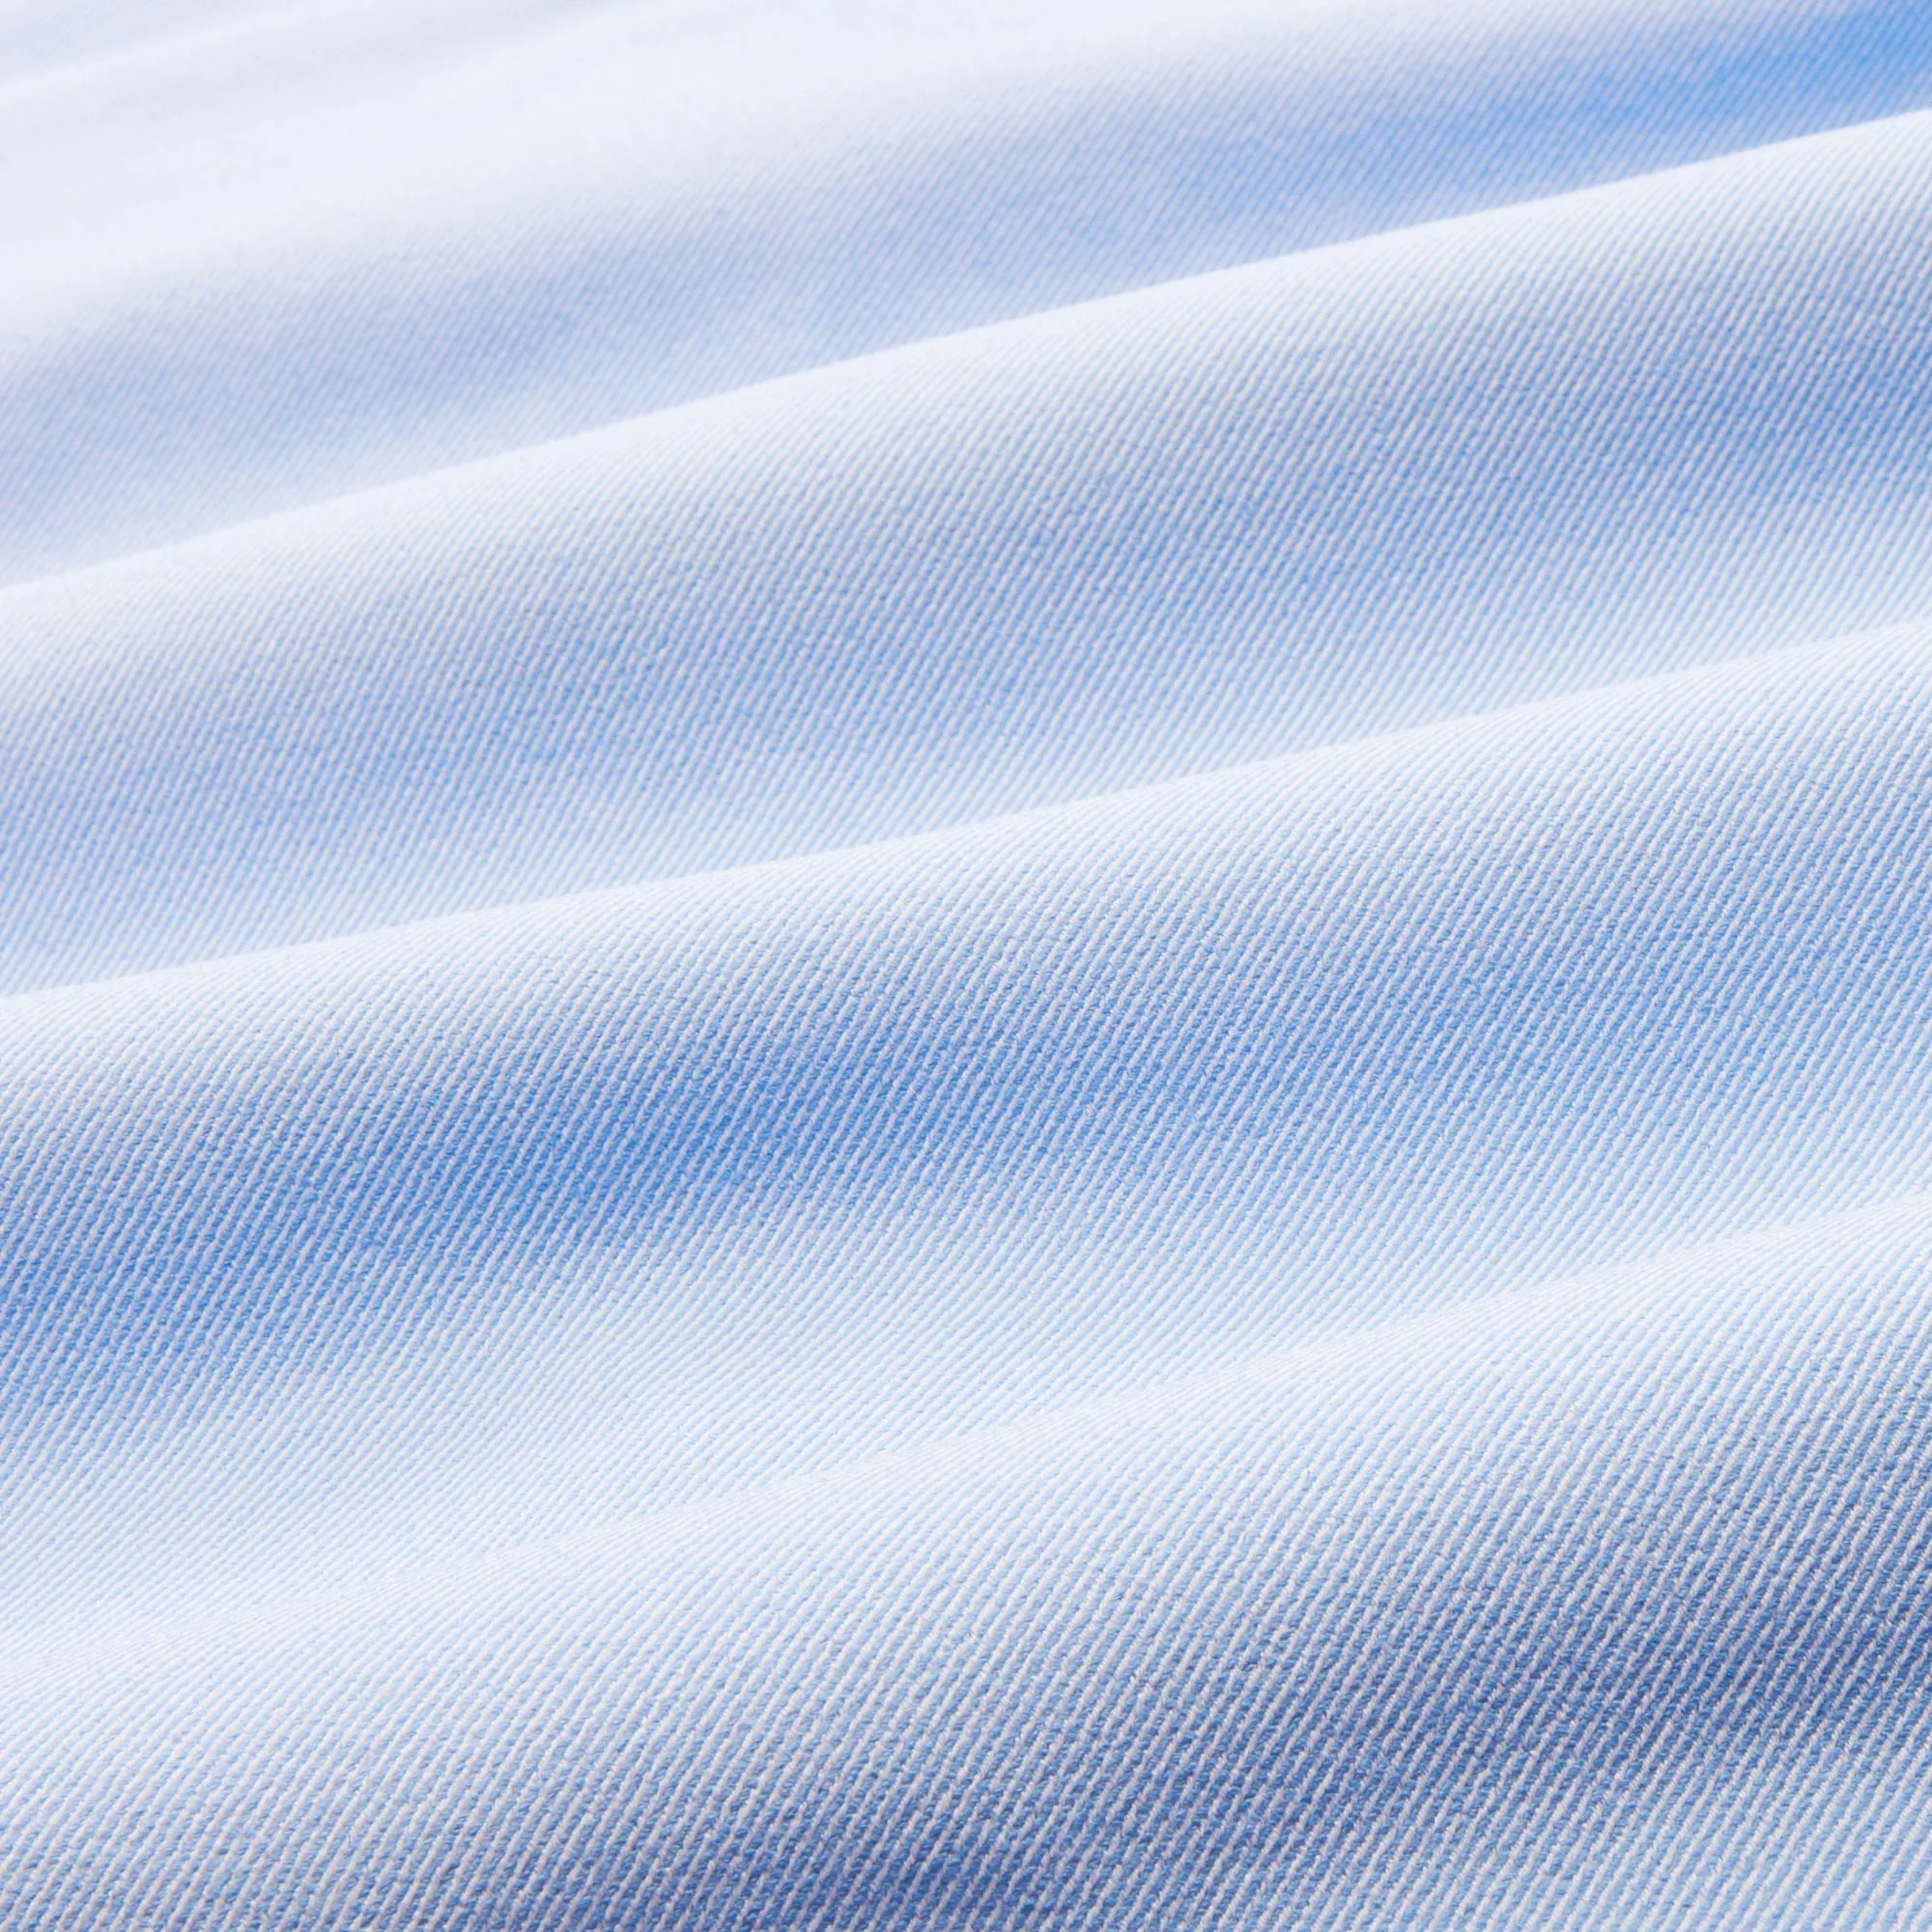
965	968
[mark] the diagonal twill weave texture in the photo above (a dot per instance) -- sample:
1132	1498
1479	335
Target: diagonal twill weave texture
965	969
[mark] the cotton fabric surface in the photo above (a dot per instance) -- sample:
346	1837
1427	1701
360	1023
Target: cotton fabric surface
965	968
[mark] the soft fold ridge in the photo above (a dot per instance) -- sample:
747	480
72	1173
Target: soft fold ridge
336	244
1198	1659
1428	474
534	1217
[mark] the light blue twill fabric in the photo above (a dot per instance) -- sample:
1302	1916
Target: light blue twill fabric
965	969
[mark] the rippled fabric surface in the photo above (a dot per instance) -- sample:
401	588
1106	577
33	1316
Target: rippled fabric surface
965	968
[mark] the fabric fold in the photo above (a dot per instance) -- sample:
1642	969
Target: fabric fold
965	970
